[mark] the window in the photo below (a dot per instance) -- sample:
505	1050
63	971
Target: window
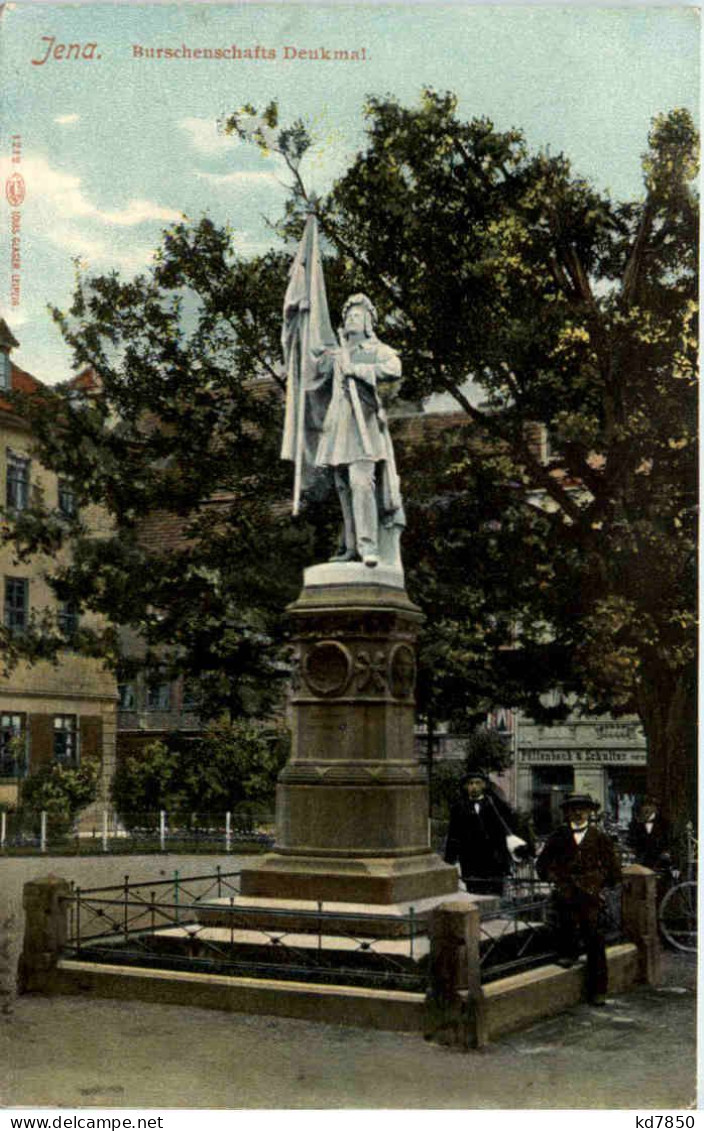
67	499
159	697
126	697
16	603
5	370
65	740
17	486
13	763
67	618
189	695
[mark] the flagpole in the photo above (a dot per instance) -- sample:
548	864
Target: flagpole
306	334
300	349
300	421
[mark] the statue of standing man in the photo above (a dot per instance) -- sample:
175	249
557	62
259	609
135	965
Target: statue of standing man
337	391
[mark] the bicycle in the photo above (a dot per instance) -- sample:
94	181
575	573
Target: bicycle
677	913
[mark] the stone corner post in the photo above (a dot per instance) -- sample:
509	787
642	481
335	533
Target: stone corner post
45	932
639	914
454	975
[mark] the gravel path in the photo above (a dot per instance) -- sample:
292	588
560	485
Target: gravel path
638	1053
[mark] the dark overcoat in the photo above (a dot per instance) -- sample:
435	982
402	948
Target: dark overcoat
648	847
579	869
478	839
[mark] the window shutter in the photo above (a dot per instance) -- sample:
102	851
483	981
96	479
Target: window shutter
41	741
91	740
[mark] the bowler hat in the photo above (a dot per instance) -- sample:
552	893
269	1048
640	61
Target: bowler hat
580	800
475	775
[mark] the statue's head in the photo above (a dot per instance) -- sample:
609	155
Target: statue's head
359	315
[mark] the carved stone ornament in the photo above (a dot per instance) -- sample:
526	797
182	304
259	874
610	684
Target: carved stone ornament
371	670
327	668
296	680
402	671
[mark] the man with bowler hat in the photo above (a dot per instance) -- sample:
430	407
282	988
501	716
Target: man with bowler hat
581	861
649	836
480	825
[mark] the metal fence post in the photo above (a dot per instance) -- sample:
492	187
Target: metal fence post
78	920
3	828
105	830
162	829
228	831
176	893
125	921
42	831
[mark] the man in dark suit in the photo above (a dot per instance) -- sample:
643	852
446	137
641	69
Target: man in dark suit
480	822
581	861
649	836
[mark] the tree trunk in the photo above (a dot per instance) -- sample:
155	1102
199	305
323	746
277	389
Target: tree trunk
668	711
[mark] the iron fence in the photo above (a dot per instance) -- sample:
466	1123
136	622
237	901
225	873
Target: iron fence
519	927
196	922
167	925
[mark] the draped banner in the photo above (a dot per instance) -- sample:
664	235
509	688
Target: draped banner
306	333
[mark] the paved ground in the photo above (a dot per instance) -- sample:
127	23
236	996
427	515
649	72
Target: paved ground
638	1052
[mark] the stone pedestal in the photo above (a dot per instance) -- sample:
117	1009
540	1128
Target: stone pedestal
352	803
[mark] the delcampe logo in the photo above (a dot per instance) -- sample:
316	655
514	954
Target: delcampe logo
15	190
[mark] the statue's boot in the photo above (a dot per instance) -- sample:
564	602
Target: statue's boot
345	555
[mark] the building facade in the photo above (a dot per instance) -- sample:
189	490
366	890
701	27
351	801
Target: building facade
63	712
604	757
601	756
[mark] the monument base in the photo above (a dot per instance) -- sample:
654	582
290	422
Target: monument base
374	880
352	802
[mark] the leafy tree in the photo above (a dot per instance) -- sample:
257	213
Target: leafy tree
445	788
572	310
487	751
60	791
180	422
232	763
142	782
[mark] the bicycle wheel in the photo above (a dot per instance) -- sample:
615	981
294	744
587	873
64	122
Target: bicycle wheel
678	916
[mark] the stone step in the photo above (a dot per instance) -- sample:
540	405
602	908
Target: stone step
402	949
373	920
290	948
329	954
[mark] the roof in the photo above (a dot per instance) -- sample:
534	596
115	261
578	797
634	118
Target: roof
86	380
21	382
7	338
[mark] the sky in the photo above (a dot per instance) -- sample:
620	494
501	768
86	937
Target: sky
115	146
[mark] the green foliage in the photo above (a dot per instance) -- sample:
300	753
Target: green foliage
577	313
487	751
232	763
142	782
60	791
445	788
184	423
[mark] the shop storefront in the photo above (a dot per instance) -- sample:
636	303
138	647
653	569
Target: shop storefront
604	758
